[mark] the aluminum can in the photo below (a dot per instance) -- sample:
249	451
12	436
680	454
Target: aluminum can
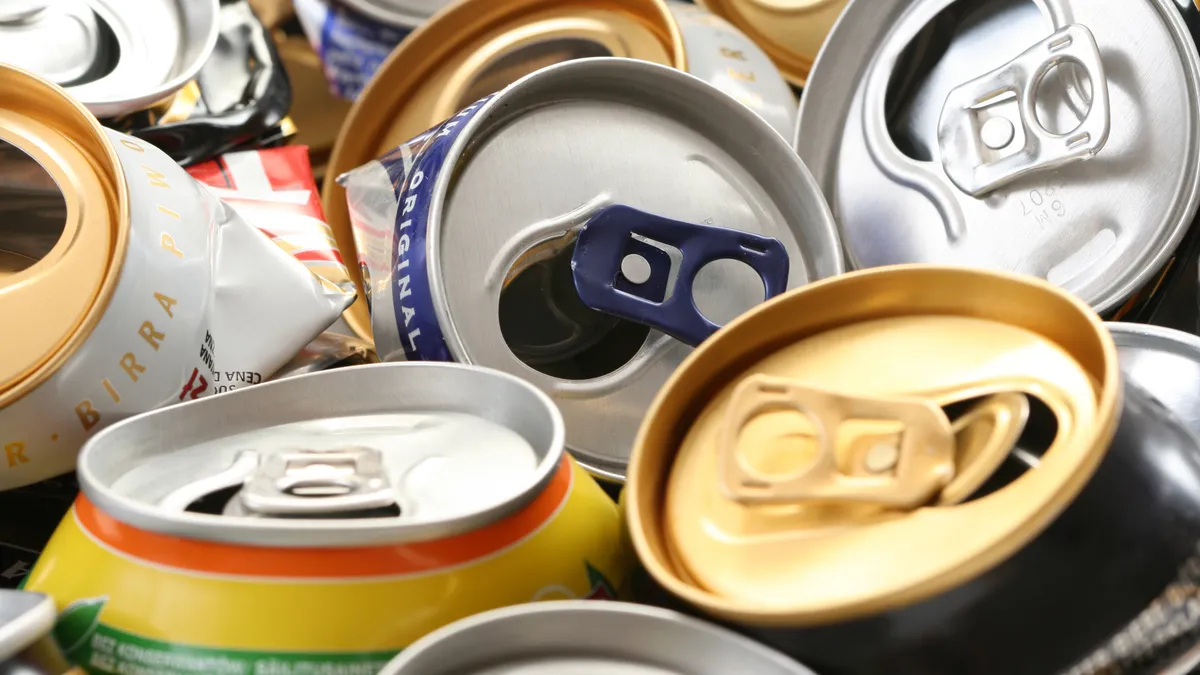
962	460
573	636
477	47
26	647
362	507
791	33
1006	138
330	350
477	235
133	285
115	56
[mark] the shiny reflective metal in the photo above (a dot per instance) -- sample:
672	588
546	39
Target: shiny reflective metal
59	40
904	192
586	637
1164	362
26	620
403	13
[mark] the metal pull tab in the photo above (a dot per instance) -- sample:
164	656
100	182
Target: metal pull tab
316	482
610	237
989	133
903	465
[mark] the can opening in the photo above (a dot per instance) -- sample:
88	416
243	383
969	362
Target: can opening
1038	435
517	63
33	211
725	289
106	57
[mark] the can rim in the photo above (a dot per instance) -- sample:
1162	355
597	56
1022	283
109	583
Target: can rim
29	626
795	67
643	493
1159	338
103	163
414	60
298	533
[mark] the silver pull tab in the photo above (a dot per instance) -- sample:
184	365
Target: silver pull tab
989	133
314	483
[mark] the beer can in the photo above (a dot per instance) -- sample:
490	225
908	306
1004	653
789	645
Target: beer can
329	350
360	508
501	237
791	33
1005	137
131	284
915	469
26	620
477	47
573	636
115	56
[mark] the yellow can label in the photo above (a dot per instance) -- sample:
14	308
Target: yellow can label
134	602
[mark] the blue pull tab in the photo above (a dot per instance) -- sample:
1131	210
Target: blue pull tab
607	240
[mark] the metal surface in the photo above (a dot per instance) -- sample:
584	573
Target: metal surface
454	463
1164	362
24	619
60	40
587	638
1101	228
791	31
403	13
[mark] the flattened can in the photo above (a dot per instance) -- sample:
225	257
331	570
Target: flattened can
358	508
1009	136
478	47
115	56
572	636
952	480
124	284
792	33
26	647
478	236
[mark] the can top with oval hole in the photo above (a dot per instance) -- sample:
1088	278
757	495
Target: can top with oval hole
832	455
577	637
66	208
1057	139
791	32
116	56
1165	362
386	453
499	204
402	13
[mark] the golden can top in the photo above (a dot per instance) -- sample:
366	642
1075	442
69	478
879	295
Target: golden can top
790	31
821	458
469	50
50	304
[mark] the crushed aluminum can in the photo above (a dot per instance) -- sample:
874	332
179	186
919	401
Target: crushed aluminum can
26	645
330	350
134	285
403	497
514	266
115	56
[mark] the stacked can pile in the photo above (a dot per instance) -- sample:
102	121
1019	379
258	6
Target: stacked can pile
835	337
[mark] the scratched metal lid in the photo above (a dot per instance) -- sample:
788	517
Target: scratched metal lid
830	456
115	56
403	13
1056	138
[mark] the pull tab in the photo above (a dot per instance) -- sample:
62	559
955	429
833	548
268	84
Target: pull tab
314	483
989	134
608	238
903	467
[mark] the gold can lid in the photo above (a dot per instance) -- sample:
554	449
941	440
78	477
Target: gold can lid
469	50
65	205
870	441
791	32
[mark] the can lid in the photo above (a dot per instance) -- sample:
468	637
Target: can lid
585	637
1004	135
24	618
828	456
472	49
65	206
403	13
60	41
791	32
1164	362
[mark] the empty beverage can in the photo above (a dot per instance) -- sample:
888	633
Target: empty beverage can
362	508
26	647
507	238
790	32
919	483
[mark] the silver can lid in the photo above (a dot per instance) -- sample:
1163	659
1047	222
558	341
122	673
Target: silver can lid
1057	139
587	637
24	618
357	456
543	157
402	13
1165	363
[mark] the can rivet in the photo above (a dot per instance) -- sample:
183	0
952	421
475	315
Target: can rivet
881	457
635	268
997	133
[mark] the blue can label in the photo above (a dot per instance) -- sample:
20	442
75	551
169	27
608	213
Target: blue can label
351	46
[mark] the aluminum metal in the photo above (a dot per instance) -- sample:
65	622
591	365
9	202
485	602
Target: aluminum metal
524	180
403	13
579	637
1164	362
24	619
790	31
459	447
898	144
60	41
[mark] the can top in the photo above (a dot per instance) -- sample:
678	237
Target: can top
472	49
65	206
856	445
585	637
403	13
24	618
790	31
1041	138
363	455
116	56
1165	362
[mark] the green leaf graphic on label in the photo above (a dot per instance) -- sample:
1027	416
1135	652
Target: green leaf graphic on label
77	623
601	589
